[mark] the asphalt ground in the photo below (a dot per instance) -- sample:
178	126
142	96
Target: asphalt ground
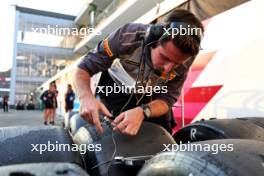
24	117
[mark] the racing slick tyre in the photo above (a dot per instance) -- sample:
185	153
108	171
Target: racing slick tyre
24	144
102	150
76	122
67	118
42	169
259	121
240	128
241	157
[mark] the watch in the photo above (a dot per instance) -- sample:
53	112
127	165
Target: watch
146	111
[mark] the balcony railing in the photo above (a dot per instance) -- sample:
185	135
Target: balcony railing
108	11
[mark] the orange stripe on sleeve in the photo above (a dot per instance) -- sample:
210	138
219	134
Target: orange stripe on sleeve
107	48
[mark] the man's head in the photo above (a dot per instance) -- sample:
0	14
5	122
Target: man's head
173	50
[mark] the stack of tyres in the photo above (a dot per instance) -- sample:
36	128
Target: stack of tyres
43	169
149	141
24	144
246	158
240	128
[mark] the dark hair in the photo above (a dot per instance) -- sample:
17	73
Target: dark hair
53	84
188	44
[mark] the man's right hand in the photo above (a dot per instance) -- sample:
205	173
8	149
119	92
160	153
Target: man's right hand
89	105
89	111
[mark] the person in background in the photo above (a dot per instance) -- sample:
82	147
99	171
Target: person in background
5	103
48	98
69	98
1	101
56	92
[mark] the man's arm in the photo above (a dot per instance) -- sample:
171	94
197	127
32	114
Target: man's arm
90	107
158	108
113	46
82	83
129	122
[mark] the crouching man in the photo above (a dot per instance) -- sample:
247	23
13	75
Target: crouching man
142	57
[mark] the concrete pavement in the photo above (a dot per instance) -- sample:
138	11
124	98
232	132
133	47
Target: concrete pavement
24	117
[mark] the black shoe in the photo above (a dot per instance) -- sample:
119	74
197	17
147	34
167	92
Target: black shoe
45	123
52	123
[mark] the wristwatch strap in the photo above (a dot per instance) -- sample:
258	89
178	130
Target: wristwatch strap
146	111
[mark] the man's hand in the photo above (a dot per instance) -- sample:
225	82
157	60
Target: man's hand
130	121
89	111
89	106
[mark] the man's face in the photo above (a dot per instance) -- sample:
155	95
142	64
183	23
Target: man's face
167	56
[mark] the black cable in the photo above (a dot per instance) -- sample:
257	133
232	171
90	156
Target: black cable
143	46
100	164
139	71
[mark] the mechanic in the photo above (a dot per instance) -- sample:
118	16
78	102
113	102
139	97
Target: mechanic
139	55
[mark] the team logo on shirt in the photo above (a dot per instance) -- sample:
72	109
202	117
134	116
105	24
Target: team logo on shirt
171	75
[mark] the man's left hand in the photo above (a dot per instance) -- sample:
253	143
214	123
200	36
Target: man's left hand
129	122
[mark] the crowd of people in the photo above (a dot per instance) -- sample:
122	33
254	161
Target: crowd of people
49	100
